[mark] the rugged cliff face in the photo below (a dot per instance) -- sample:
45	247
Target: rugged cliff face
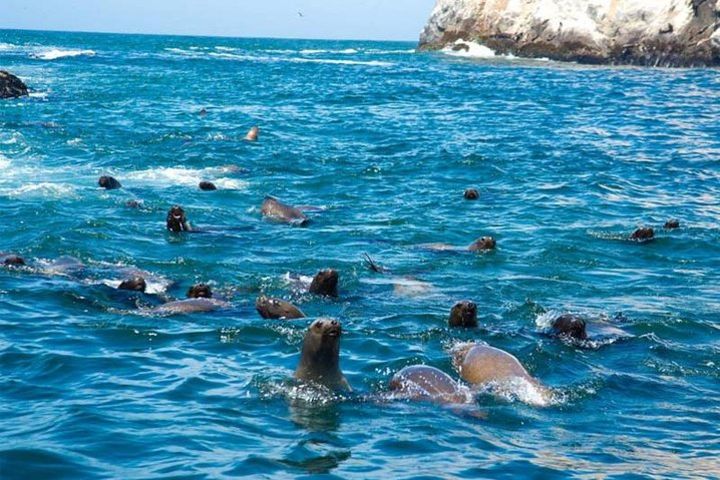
642	32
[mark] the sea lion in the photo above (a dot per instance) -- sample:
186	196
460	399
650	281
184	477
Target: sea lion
177	221
202	112
411	287
424	383
320	357
200	290
643	234
483	365
190	305
134	203
13	261
325	283
482	243
207	186
463	314
672	224
460	47
276	308
252	134
471	194
135	284
372	265
479	245
108	183
273	209
571	326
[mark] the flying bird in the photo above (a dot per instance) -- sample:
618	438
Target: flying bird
300	14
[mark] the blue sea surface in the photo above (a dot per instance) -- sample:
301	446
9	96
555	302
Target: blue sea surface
568	159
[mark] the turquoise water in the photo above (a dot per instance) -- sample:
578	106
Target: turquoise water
569	160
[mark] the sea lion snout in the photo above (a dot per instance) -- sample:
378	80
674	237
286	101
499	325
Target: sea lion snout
471	194
327	327
108	182
325	283
176	220
136	284
463	314
570	326
200	290
253	134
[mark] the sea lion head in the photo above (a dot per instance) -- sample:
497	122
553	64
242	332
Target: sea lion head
135	284
13	261
323	339
200	290
176	220
252	134
203	112
482	243
275	308
207	186
325	283
108	183
570	326
471	194
672	224
463	314
643	234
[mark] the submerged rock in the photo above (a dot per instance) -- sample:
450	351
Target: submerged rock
671	33
11	86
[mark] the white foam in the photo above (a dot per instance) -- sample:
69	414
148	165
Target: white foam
38	94
181	176
43	190
7	47
522	390
55	53
474	50
4	162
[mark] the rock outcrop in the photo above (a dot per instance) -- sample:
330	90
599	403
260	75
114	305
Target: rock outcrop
673	33
11	86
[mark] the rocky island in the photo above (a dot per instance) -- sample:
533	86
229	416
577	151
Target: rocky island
669	33
11	86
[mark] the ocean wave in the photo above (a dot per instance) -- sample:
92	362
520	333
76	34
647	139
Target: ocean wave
42	190
369	63
461	48
181	176
7	47
56	53
346	51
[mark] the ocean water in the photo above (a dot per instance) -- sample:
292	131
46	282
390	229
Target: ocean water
568	159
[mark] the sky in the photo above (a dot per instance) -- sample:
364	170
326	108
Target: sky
326	19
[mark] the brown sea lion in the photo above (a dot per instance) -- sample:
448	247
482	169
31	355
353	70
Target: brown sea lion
252	134
274	210
177	221
643	234
571	326
483	365
424	383
325	283
135	284
108	183
481	244
200	290
203	112
13	261
672	224
463	314
471	194
276	308
320	357
207	186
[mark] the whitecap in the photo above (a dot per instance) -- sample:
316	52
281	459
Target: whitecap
473	50
55	53
181	176
43	190
371	63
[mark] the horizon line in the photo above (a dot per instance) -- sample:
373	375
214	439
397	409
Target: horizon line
5	29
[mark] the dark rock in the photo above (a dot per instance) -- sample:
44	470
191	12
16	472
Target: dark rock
11	86
207	186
